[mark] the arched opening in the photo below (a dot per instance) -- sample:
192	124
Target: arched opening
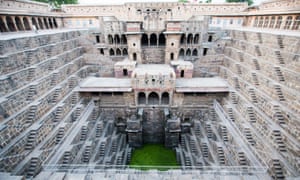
195	52
123	39
182	73
118	52
2	26
153	98
210	37
46	24
162	40
19	24
40	23
278	23
188	52
26	24
190	39
182	39
10	24
153	40
110	39
288	22
117	39
54	23
144	40
165	99
134	56
196	39
266	23
50	23
102	51
125	72
261	21
97	39
125	53
34	23
111	52
272	22
256	22
141	98
181	53
296	24
205	51
172	56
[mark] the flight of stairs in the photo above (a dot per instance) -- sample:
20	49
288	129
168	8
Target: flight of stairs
236	83
278	116
204	149
224	133
279	57
276	169
280	42
59	135
58	114
279	74
86	154
242	159
255	79
251	114
31	140
257	50
234	98
279	92
31	74
252	95
230	114
248	136
31	114
256	65
33	167
83	134
221	155
31	92
279	140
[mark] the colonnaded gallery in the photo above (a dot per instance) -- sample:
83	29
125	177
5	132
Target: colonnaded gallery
217	83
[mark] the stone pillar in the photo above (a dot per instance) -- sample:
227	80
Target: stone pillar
30	22
283	22
172	132
14	23
134	132
37	23
5	23
134	46
172	46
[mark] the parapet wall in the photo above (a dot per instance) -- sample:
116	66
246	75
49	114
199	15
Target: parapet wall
23	6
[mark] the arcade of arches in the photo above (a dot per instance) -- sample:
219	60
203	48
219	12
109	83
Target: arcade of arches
26	23
153	98
153	39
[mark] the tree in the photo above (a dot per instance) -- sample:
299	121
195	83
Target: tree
250	2
183	1
57	3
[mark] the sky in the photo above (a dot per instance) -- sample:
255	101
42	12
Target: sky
124	1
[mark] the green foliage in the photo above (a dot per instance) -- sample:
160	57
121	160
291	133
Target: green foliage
57	3
250	2
153	155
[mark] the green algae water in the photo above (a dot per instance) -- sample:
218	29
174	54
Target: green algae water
154	156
